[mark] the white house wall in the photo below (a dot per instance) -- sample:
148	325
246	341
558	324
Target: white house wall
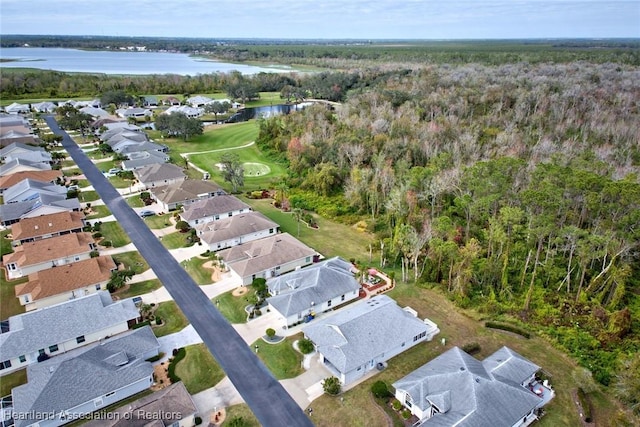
278	270
34	268
211	218
63	297
217	246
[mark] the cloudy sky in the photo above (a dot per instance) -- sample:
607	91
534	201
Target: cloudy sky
359	19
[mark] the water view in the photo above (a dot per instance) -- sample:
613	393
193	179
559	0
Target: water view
126	62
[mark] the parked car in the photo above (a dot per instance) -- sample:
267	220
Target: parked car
146	213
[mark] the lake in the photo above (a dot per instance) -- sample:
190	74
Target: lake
122	62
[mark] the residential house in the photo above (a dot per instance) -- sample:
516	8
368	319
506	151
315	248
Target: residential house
145	146
314	289
19	165
140	159
45	226
64	282
457	389
173	404
184	193
95	112
19	150
171	101
9	136
44	107
150	101
213	209
50	176
366	335
134	112
72	386
191	112
28	189
15	108
33	336
267	257
40	204
118	126
40	255
236	230
159	174
198	101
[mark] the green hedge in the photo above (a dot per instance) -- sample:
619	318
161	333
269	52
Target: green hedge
508	328
471	348
180	354
155	358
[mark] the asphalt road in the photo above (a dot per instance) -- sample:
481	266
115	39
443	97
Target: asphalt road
269	401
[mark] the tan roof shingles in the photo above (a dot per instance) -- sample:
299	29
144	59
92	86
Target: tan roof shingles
260	255
68	277
43	176
49	249
46	224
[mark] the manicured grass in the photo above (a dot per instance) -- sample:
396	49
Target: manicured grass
231	307
118	182
172	318
5	244
100	212
215	137
88	196
199	370
241	411
266	99
201	275
105	166
176	240
9	304
135	201
12	380
71	172
113	232
132	261
139	288
158	221
330	239
82	183
281	359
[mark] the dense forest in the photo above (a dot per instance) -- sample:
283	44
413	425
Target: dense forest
509	181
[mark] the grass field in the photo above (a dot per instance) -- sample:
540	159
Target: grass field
176	240
215	137
330	239
112	231
281	359
172	318
158	221
201	275
9	304
139	288
88	196
12	380
100	212
135	201
240	412
132	261
232	307
199	370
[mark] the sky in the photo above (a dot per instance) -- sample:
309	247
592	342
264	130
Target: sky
325	19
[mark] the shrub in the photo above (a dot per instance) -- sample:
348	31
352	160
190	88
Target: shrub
586	405
171	373
198	421
271	332
406	414
331	386
96	235
305	346
471	348
155	358
396	405
380	389
508	328
158	321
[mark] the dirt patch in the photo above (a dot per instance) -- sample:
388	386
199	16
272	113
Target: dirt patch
576	401
239	291
216	273
161	376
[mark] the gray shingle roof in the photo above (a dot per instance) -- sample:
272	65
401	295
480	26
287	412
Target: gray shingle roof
14	211
184	191
140	159
12	164
159	171
294	292
25	189
236	226
56	324
214	206
354	336
66	381
263	254
509	365
467	391
19	146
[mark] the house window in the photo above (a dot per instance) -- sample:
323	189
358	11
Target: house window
278	268
12	267
342	298
98	287
217	217
6	364
271	231
77	258
111	393
53	348
421	335
80	339
22	358
230	214
41	351
329	303
307	259
197	221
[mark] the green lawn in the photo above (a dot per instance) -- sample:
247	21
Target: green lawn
281	359
176	240
242	412
266	99
135	201
132	261
201	275
199	370
112	231
158	221
5	244
330	239
9	304
214	138
100	212
173	319
12	380
139	288
118	182
88	196
232	307
71	172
